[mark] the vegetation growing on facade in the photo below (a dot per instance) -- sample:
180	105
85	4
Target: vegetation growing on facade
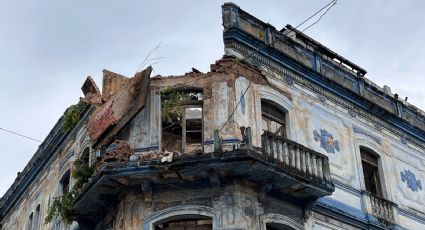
62	205
171	103
72	116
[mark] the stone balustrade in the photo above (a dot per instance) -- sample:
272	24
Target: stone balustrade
304	161
381	208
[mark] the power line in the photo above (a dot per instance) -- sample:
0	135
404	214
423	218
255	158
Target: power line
21	135
146	60
328	6
333	2
314	23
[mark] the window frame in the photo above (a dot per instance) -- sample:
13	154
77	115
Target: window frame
269	117
187	105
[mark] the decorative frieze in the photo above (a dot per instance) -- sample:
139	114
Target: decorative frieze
411	181
326	140
352	112
321	98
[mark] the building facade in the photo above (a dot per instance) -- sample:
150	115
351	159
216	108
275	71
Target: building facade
281	133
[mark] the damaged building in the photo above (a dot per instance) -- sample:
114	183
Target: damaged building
281	133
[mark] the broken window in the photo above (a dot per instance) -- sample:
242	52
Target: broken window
371	172
182	120
195	223
273	119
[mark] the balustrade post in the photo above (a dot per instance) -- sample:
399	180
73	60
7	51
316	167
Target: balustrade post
302	161
308	163
286	153
280	152
292	155
313	164
297	158
275	148
319	167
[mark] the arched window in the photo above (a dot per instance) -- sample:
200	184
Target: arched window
273	118
85	157
36	222
185	222
371	171
30	220
276	226
64	184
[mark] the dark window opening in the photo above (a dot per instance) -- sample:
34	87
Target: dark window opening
36	224
198	223
30	219
64	183
182	121
276	226
371	172
85	157
273	119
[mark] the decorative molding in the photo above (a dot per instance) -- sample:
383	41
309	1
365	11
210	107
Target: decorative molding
184	210
378	127
368	134
352	112
288	79
322	98
279	219
327	141
403	139
278	66
67	157
410	179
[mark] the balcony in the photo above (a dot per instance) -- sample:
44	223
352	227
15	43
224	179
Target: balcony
296	158
281	167
381	208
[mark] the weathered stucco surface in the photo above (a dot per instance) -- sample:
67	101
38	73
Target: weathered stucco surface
298	75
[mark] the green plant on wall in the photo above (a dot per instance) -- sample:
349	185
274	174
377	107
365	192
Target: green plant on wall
62	206
172	100
72	116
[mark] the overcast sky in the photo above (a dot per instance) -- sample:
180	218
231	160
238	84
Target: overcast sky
48	48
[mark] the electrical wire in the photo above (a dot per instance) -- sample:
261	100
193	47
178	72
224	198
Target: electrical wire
328	6
321	16
21	135
146	60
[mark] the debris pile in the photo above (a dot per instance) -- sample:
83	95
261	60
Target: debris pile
118	151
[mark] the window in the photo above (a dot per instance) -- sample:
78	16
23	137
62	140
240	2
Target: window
64	184
189	222
273	119
192	127
30	220
276	226
85	157
182	121
371	172
36	223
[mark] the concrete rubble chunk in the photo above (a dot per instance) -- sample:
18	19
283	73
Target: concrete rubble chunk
112	83
91	92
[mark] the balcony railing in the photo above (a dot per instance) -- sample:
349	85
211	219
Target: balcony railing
381	208
298	158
